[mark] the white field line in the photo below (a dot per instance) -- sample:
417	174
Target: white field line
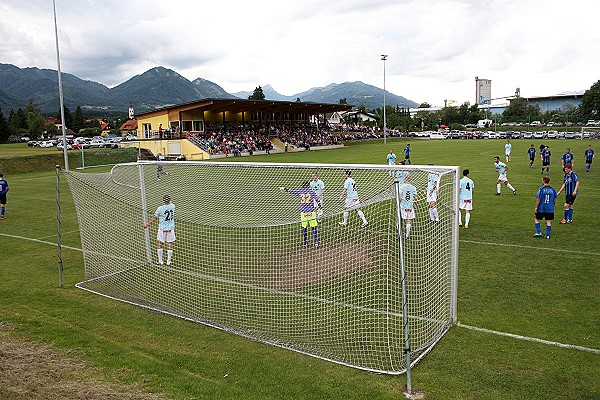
40	241
56	234
484	330
530	339
531	247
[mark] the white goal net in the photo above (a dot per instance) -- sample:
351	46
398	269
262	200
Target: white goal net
255	256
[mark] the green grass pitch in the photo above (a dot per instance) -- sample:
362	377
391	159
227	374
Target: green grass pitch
508	282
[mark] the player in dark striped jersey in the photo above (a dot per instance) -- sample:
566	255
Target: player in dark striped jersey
545	155
567	158
571	188
531	153
589	157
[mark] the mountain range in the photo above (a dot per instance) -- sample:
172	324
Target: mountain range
155	88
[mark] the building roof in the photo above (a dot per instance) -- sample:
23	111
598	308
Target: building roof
129	125
553	97
254	106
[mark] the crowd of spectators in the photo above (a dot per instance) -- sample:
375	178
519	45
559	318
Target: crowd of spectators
235	138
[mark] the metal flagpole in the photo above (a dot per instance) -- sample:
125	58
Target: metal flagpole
60	93
384	57
60	263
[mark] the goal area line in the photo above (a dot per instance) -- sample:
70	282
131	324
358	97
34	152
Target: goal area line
458	324
528	338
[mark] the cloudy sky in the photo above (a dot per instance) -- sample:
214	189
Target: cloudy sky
435	48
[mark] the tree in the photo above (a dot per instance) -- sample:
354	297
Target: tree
32	107
18	121
425	105
257	95
78	120
35	125
519	110
4	128
51	130
590	103
68	118
344	101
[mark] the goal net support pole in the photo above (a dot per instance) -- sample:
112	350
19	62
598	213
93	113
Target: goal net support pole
403	283
340	282
144	205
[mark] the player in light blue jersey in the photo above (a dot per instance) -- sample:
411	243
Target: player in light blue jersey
349	196
3	191
165	215
391	159
508	150
502	168
466	198
545	200
589	157
408	195
433	184
318	187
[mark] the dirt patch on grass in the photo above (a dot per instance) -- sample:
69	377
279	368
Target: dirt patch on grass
317	265
34	371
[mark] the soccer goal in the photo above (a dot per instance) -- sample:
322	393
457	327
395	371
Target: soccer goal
248	261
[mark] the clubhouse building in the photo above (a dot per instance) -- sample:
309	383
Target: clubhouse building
174	130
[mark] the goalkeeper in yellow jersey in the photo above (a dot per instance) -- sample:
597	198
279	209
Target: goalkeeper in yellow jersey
308	215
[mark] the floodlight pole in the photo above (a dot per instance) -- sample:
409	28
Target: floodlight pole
60	93
384	57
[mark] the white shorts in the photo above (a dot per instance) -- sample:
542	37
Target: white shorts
466	205
407	213
431	196
502	178
165	236
352	203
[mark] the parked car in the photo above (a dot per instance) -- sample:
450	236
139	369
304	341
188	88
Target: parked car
47	143
539	135
552	134
527	135
59	146
97	143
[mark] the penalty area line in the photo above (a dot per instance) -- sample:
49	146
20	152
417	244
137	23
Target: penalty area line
530	339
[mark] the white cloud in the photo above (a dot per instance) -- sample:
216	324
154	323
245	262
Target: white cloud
435	48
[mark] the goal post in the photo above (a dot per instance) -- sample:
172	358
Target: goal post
254	255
